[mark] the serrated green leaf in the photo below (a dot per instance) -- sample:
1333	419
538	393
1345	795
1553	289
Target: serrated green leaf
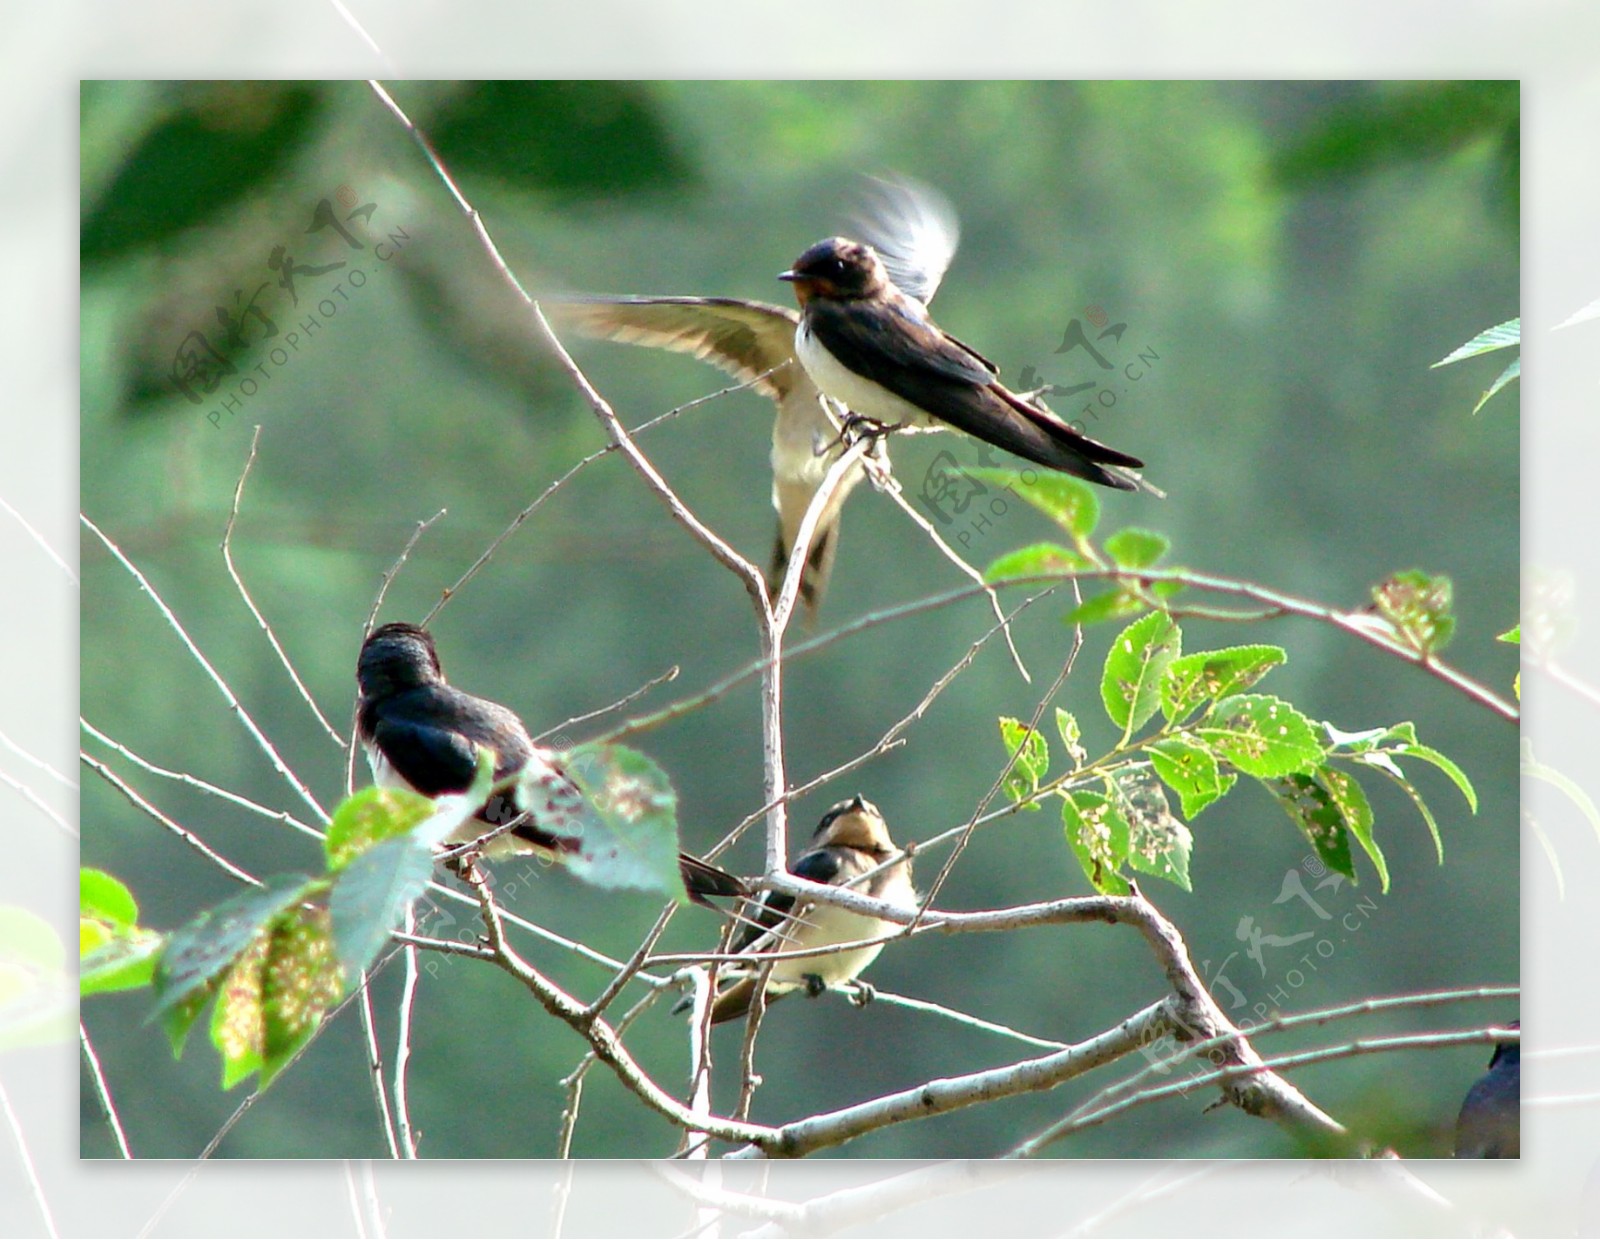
124	962
197	952
1261	735
1130	686
179	1019
1033	759
1136	548
1457	776
369	816
1071	737
1112	605
274	997
1311	807
371	896
629	833
1210	674
1040	559
1501	336
105	899
1158	843
1418	605
1352	803
1066	501
1097	833
1190	770
1512	371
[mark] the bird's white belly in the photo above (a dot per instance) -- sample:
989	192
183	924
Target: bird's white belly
861	394
829	926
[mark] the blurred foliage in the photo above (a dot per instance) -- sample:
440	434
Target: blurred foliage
1273	371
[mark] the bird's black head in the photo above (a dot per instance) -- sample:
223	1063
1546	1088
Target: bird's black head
837	268
396	657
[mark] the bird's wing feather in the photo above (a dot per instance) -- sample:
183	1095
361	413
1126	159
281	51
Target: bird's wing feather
915	231
744	338
434	761
902	350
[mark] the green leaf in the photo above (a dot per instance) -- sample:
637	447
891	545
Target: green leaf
1208	675
372	894
1066	501
1131	684
1351	801
369	816
274	998
179	1019
1501	336
1041	559
1312	808
1112	605
1097	833
1158	843
1512	371
1071	737
104	899
1033	759
197	952
1418	606
1261	735
1190	770
124	962
1457	776
1136	548
630	828
1513	635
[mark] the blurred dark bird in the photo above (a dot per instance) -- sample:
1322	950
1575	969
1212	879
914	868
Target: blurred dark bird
423	734
851	841
1490	1123
915	231
869	343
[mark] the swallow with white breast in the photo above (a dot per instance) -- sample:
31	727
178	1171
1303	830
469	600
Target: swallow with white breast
851	842
916	232
872	346
423	734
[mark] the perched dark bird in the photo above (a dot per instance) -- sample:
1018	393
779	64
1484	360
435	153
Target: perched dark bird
1490	1123
871	345
915	230
421	733
852	840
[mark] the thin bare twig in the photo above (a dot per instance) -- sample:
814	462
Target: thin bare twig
402	1044
38	802
40	539
31	760
233	572
233	702
103	1093
666	677
380	1091
183	833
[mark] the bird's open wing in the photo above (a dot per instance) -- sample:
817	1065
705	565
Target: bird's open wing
913	228
746	339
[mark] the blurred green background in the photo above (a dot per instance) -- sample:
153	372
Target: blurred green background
1295	254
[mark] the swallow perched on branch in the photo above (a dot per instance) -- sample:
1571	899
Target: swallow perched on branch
1490	1122
916	232
423	734
850	842
869	343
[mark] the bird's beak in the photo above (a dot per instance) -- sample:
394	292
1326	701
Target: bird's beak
790	275
857	804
